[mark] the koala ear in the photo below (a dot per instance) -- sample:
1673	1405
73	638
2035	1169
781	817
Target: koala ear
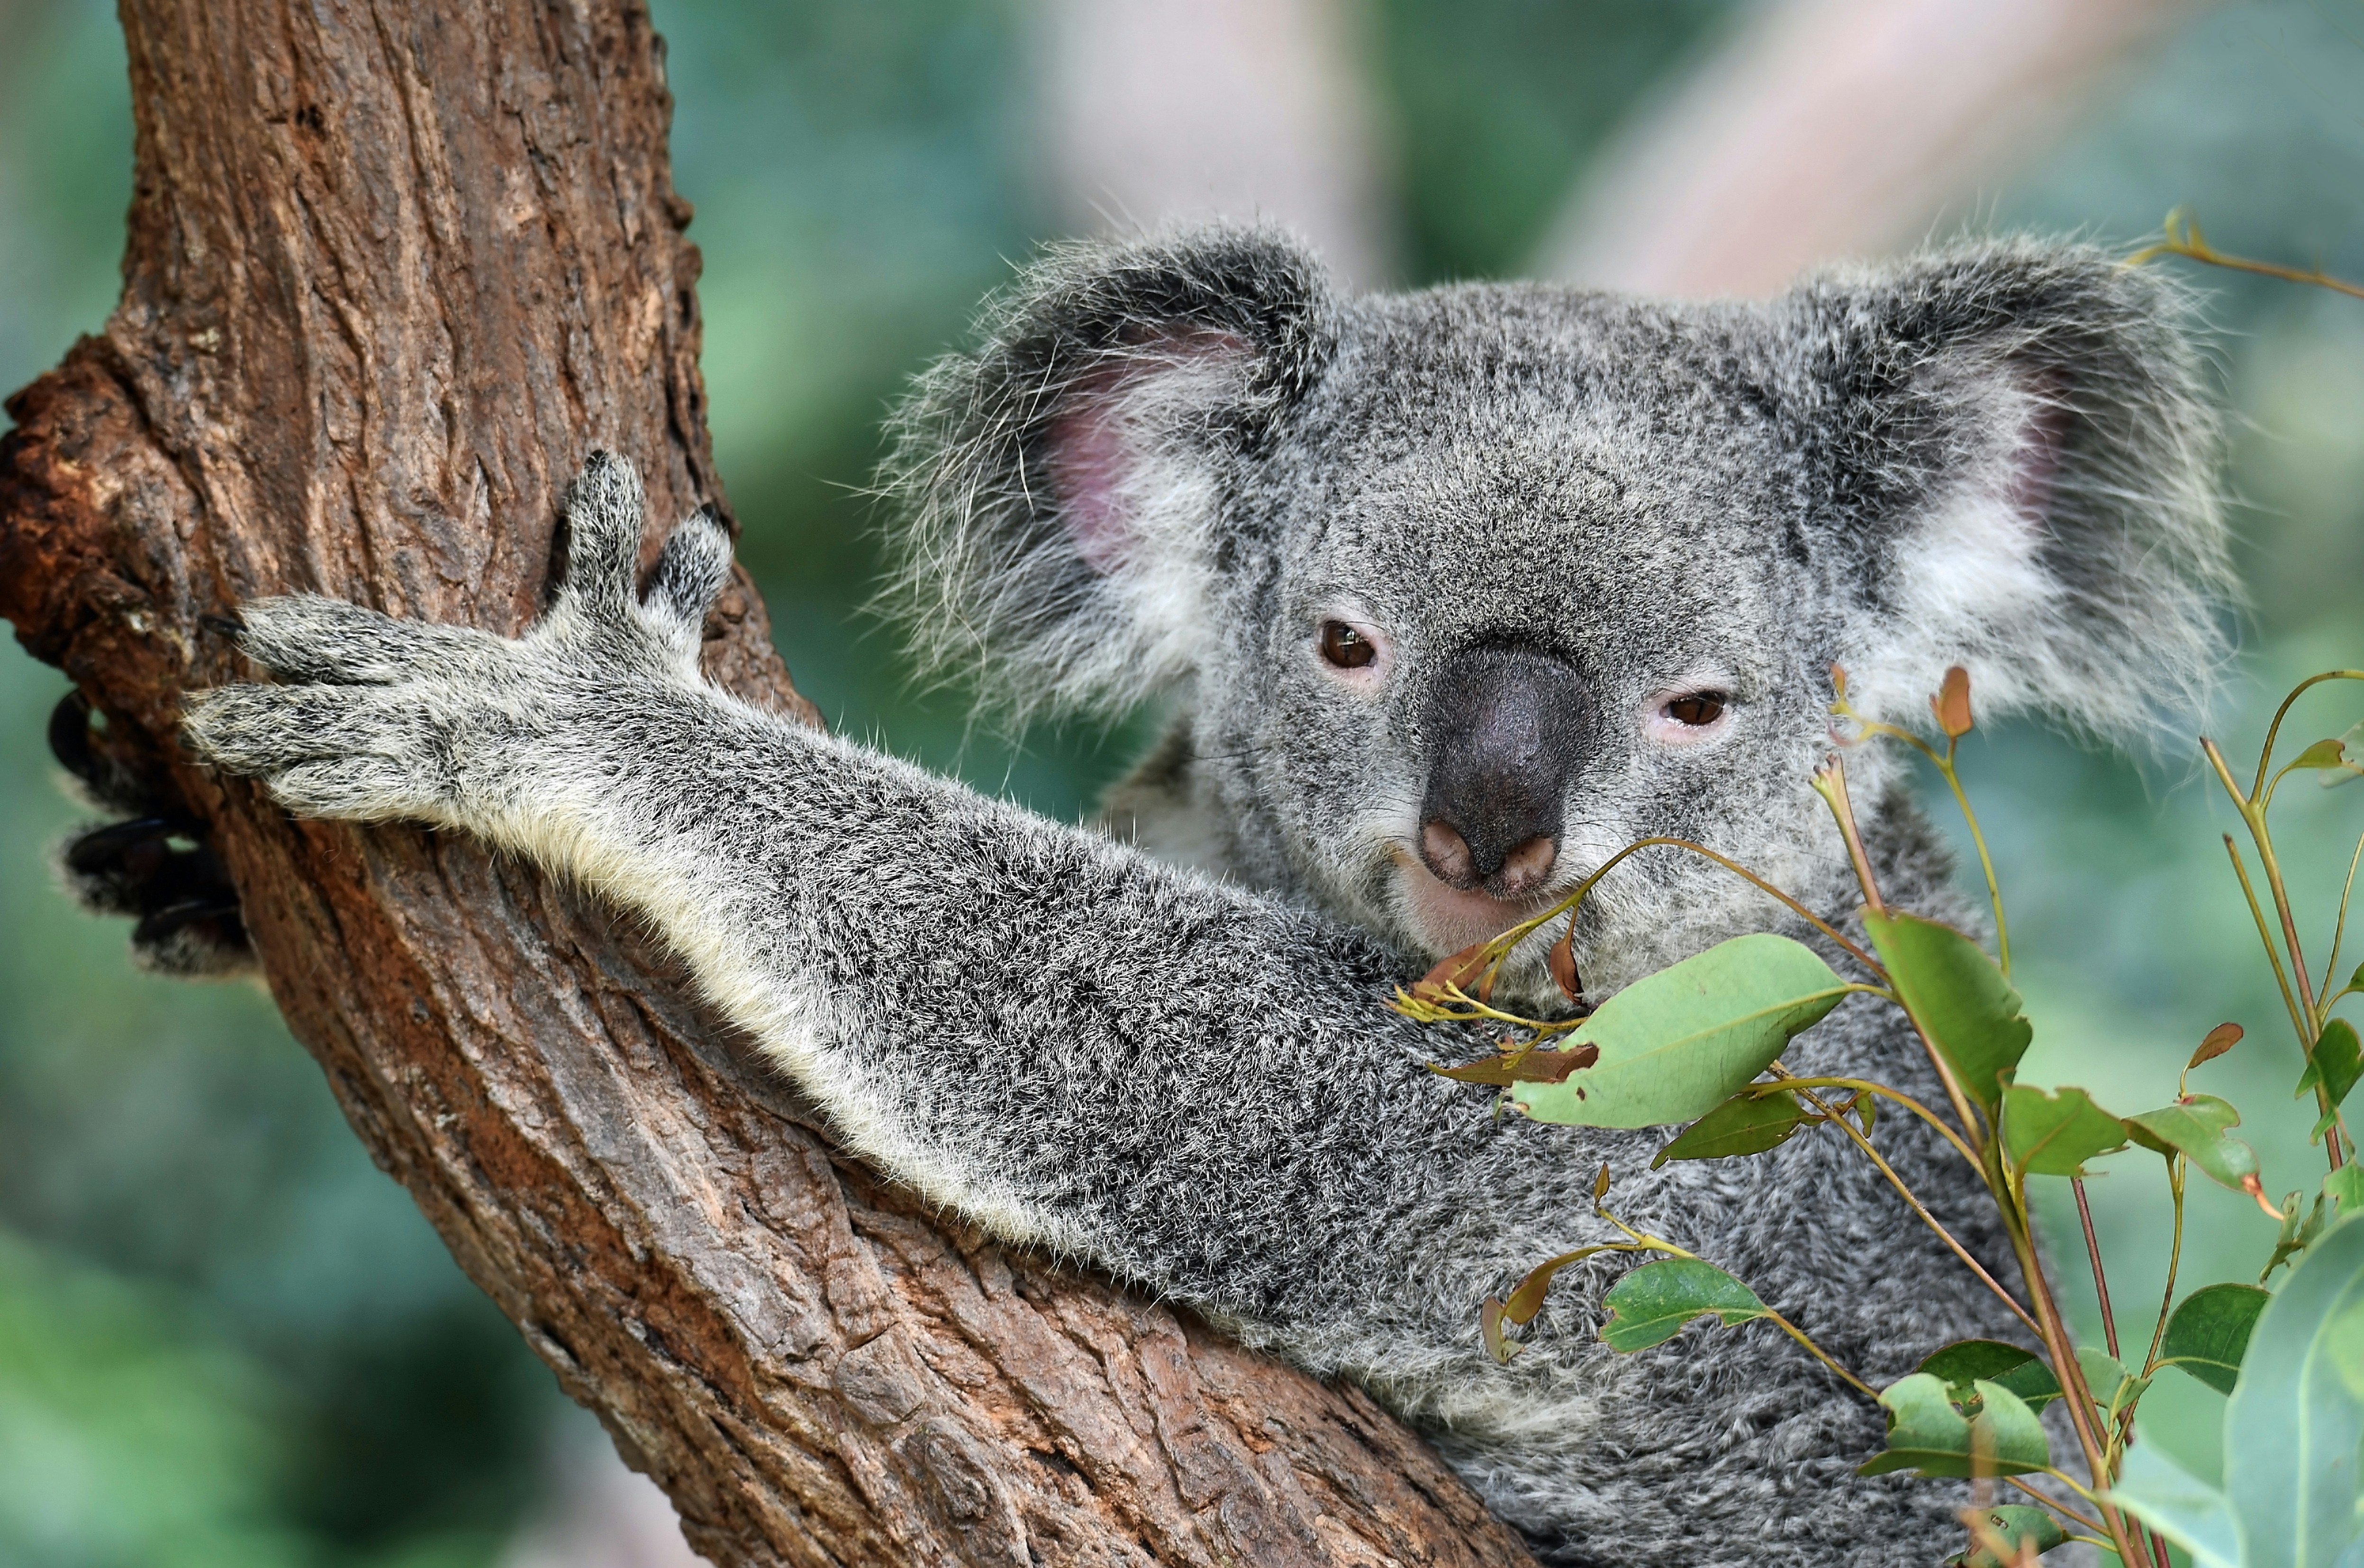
2011	453
1062	497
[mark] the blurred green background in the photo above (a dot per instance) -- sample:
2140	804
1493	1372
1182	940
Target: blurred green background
226	1338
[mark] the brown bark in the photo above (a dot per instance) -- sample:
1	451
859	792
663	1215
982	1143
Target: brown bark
393	269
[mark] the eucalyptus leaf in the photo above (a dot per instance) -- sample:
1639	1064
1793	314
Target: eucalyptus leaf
1675	1044
2053	1135
2187	1510
1745	1124
1958	996
2113	1387
2195	1128
1927	1434
2335	1063
2013	1523
2345	1187
1651	1305
1968	1361
2210	1332
2295	1423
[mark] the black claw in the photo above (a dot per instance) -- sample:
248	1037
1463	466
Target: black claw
228	625
162	923
70	736
114	845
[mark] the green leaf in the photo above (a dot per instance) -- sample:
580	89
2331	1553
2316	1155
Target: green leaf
1925	1431
2047	1134
1677	1043
2346	771
2111	1383
1968	1361
2345	1187
2210	1332
2194	1127
1745	1124
2335	1063
1651	1305
2322	754
2187	1511
2296	1418
2014	1522
1927	1434
2301	1226
1958	996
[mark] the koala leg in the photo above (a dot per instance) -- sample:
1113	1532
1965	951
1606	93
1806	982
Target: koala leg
154	865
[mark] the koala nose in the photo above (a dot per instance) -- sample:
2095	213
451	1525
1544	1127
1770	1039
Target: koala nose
1507	727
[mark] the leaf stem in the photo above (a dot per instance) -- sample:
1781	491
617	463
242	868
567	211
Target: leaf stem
2303	1016
1816	1351
1525	928
2193	248
2339	932
2057	1506
1914	1202
1791	1080
2174	1259
1830	783
2093	1251
1945	765
2273	956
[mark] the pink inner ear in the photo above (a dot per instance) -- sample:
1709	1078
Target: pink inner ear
1089	469
2036	463
1091	458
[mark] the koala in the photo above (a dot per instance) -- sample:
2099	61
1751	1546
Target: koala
1449	595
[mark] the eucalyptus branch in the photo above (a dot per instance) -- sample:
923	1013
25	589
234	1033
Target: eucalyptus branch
1830	783
1914	1202
2174	1260
1567	906
2057	1506
2273	956
1864	1085
1815	1351
2274	730
1944	763
2339	932
2190	245
2093	1251
2062	1350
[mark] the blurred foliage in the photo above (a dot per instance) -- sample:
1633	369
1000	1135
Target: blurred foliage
222	1330
1497	104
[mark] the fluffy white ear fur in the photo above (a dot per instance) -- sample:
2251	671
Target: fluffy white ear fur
2073	566
1134	463
1966	579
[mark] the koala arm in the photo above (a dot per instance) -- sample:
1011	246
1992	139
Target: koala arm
1196	1087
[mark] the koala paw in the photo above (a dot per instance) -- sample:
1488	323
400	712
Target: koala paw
154	866
379	718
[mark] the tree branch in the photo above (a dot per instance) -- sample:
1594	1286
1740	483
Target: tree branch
392	269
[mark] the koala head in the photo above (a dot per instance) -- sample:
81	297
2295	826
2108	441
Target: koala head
1456	593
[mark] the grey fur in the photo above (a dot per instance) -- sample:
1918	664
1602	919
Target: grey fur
1189	1077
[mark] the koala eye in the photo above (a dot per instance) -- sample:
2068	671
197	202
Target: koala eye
1345	648
1696	709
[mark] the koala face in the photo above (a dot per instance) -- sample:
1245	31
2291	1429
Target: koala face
1461	592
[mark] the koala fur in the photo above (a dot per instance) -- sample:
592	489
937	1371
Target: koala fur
1169	468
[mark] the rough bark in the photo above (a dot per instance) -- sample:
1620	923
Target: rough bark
392	269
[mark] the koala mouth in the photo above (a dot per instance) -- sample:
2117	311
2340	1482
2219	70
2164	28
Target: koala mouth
1448	919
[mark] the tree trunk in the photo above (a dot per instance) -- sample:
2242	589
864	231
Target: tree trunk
393	268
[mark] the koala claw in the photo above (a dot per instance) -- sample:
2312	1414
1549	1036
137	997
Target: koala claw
377	717
154	865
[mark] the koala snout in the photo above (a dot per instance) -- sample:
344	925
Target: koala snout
1507	728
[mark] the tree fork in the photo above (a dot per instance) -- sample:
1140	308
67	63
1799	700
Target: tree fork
392	269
